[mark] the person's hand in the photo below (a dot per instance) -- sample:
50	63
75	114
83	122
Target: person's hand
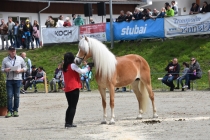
18	71
133	18
7	69
30	76
169	75
194	71
143	18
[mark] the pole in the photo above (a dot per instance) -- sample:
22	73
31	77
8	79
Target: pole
111	24
209	77
102	19
45	83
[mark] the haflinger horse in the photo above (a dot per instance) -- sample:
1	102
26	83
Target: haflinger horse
114	72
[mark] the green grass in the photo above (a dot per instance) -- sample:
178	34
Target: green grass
157	53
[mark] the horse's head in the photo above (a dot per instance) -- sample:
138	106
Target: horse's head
84	51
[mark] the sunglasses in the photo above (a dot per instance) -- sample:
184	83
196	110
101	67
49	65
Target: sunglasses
193	60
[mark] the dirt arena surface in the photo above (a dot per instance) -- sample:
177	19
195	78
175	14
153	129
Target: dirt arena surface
182	116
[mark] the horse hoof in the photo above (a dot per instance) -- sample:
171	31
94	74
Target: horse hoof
103	122
155	116
111	122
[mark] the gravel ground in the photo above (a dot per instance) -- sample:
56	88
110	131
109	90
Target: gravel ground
182	115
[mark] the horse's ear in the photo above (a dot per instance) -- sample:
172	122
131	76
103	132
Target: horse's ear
86	38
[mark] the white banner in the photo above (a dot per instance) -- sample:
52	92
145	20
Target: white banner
60	35
187	25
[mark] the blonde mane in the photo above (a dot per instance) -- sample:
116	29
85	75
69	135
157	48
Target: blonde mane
104	61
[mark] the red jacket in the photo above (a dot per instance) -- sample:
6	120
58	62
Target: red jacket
67	24
71	80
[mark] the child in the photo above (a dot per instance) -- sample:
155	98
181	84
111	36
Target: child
183	77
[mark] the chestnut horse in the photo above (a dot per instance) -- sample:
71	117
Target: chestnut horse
114	72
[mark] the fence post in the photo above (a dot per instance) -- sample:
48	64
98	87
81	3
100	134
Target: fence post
45	83
209	77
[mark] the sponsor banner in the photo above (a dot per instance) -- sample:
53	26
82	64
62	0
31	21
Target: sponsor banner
187	25
60	35
137	29
97	31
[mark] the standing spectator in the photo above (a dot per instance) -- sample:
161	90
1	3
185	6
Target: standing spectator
50	22
28	32
86	77
27	61
39	78
137	14
169	11
195	71
162	13
183	77
121	18
155	12
78	21
166	5
22	35
10	25
36	33
60	21
3	33
128	16
145	15
56	79
73	18
16	35
13	81
173	69
195	9
174	7
92	21
72	85
67	23
205	8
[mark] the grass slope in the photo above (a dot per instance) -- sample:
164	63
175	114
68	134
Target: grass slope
157	53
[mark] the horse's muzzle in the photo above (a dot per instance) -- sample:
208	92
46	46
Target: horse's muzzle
77	61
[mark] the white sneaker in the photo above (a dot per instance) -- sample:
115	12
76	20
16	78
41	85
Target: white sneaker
186	86
30	88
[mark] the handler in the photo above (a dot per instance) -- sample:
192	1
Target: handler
13	66
72	85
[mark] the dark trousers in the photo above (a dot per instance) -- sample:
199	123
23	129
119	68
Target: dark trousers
72	99
190	77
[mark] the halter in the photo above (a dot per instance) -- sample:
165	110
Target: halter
81	57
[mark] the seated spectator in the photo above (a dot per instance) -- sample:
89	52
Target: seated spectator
57	79
195	71
183	77
162	13
67	23
137	14
39	78
169	11
91	21
123	89
121	18
128	16
155	12
173	69
195	9
174	7
205	8
60	21
78	21
49	22
145	14
86	77
29	79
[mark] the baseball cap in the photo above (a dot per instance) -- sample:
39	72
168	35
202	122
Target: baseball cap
34	66
11	48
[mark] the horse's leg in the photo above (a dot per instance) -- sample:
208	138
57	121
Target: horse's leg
112	94
135	87
103	96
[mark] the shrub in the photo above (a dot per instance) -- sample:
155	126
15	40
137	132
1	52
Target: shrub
3	93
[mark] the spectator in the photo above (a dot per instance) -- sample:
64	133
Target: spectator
149	11
162	13
194	9
28	31
10	25
195	71
3	33
60	21
22	35
121	18
27	61
73	18
137	14
78	21
49	22
145	15
39	78
183	77
166	5
123	89
92	21
169	11
174	7
30	79
155	12
173	69
13	80
67	23
128	16
86	77
72	85
16	35
36	33
205	8
56	79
